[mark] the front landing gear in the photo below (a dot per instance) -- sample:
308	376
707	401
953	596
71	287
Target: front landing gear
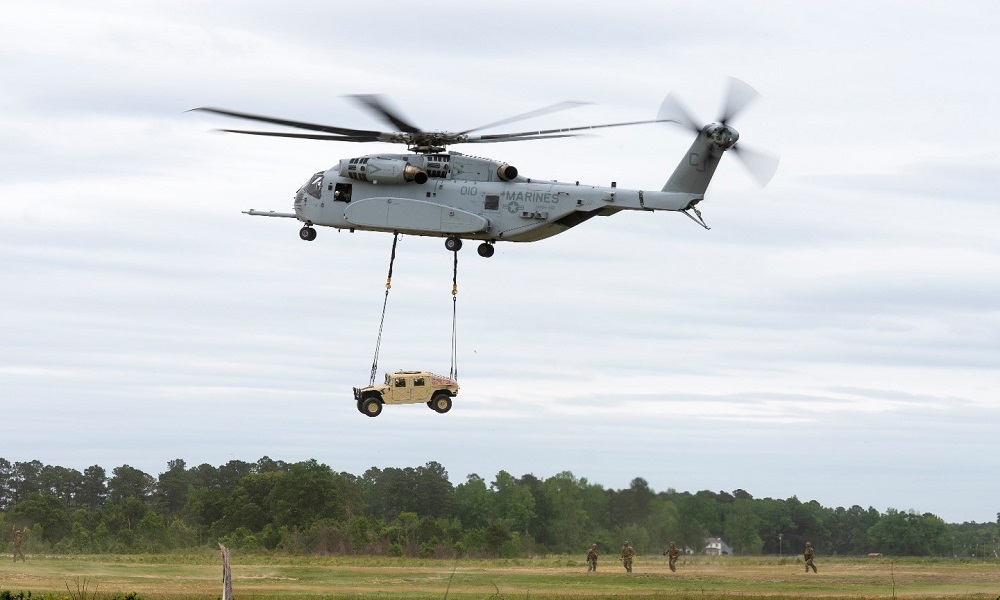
453	243
485	250
307	233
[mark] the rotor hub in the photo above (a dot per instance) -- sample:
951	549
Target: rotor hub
722	136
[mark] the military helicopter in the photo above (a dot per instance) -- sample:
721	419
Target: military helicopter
430	191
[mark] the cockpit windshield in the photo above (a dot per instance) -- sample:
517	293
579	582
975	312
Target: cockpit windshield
315	185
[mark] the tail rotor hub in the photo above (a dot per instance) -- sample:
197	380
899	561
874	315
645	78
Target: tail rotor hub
722	136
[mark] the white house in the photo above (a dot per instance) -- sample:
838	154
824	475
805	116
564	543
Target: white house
716	547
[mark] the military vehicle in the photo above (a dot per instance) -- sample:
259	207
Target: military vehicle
407	387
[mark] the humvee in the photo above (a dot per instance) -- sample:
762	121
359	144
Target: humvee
407	387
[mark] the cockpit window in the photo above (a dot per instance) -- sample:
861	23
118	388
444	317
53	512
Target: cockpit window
315	185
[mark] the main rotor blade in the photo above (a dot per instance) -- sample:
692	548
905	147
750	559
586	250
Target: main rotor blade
288	123
479	140
761	165
535	113
312	136
739	96
672	110
379	106
545	132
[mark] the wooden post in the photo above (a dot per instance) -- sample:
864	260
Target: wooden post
227	576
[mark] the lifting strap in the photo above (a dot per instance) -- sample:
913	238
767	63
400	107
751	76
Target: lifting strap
453	374
388	285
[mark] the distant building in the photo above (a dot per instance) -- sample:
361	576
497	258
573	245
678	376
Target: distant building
716	547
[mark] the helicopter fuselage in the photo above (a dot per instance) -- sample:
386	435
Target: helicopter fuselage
455	195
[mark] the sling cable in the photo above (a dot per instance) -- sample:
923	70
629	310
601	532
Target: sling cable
453	373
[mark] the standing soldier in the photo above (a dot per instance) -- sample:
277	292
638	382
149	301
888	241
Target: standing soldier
672	553
809	555
592	559
17	543
627	555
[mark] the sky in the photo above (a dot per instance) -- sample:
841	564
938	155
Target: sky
833	337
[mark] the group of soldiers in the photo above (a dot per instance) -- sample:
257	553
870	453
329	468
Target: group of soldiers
672	554
628	553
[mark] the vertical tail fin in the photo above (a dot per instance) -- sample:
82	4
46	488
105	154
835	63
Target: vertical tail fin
695	170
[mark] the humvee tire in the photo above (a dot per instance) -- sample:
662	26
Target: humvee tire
441	402
371	407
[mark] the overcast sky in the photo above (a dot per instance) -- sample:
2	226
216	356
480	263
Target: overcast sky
835	335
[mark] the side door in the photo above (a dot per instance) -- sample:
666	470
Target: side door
401	389
421	390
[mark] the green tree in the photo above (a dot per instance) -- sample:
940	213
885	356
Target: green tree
172	487
25	480
909	534
60	482
93	488
6	484
152	533
474	502
308	493
568	520
432	493
250	504
741	526
663	523
512	502
45	510
81	541
129	482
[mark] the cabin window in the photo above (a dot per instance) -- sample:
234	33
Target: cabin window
400	382
342	192
492	202
418	381
315	185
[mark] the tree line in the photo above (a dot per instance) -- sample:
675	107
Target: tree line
307	507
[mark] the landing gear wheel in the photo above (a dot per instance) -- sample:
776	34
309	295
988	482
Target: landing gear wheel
441	403
371	407
453	243
485	250
307	233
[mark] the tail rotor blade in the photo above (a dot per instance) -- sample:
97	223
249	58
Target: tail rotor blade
739	96
673	110
761	165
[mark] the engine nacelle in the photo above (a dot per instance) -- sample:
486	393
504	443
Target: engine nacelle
506	172
374	169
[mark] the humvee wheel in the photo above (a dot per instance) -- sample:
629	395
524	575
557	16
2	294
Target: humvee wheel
371	407
441	403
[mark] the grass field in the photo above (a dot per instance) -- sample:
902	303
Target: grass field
169	577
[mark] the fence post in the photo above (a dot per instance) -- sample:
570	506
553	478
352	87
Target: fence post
227	576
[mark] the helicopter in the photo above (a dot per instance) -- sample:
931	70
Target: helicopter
431	191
